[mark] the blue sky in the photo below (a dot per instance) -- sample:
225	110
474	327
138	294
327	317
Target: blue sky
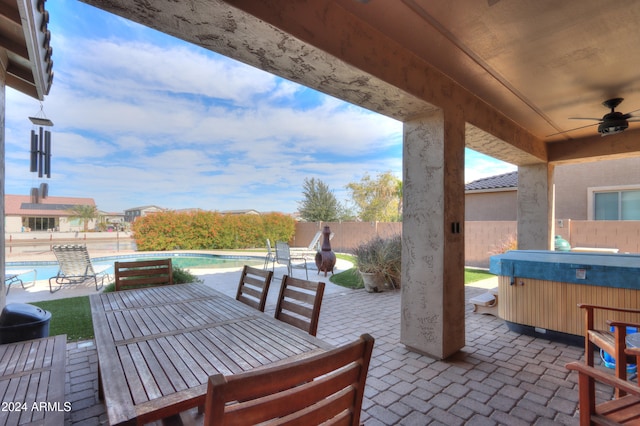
143	118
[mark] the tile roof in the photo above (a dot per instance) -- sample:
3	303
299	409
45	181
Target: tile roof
21	205
507	180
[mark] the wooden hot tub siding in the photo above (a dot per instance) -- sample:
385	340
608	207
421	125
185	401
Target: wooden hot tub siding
543	288
553	305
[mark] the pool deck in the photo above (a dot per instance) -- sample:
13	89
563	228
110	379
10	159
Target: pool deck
217	277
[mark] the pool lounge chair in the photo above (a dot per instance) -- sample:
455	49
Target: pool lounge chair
314	246
13	276
75	267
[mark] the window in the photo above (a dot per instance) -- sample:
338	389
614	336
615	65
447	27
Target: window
617	205
40	223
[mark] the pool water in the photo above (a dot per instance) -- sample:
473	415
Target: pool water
191	261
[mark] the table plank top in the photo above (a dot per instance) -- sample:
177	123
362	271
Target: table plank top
32	381
158	346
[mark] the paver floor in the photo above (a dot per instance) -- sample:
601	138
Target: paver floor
498	378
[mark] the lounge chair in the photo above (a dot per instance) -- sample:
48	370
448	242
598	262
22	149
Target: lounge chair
313	247
13	276
75	267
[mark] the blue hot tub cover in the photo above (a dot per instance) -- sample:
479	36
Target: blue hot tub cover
609	270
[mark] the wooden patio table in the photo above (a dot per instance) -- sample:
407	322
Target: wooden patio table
158	346
32	382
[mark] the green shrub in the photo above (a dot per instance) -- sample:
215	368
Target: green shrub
210	231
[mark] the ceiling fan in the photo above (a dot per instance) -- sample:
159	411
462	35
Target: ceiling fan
611	123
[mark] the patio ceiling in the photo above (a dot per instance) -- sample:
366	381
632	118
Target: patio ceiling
25	49
519	70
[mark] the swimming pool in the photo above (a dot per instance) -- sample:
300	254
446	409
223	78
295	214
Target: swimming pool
191	261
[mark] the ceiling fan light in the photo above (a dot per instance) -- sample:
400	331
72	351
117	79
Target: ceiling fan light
611	128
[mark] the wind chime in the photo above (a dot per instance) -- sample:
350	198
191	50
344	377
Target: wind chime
40	155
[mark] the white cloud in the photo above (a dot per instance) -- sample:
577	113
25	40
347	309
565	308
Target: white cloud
142	118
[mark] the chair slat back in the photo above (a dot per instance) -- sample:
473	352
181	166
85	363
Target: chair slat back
328	387
73	260
254	287
143	273
283	252
299	303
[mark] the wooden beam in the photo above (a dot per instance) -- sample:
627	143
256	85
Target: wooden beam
594	148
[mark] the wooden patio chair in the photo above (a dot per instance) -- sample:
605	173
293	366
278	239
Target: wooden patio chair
299	303
612	342
143	273
328	387
254	287
75	267
623	410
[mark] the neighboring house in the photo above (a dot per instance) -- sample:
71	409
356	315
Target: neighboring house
130	215
49	214
111	221
247	211
492	198
600	190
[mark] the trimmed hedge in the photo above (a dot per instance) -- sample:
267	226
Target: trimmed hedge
210	230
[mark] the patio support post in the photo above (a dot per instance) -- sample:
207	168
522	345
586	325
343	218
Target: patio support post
3	92
432	317
535	212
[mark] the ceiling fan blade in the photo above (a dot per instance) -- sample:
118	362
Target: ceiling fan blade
633	120
585	118
571	130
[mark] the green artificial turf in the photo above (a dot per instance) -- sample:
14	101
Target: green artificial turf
472	275
351	278
71	316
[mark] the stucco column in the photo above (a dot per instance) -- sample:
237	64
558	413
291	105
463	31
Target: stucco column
432	320
3	87
535	207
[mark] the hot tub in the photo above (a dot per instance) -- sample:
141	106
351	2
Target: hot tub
539	290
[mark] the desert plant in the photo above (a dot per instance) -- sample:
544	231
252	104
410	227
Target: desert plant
393	260
381	256
370	256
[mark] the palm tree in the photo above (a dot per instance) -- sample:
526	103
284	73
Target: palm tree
84	213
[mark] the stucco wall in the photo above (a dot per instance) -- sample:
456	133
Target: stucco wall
491	206
573	180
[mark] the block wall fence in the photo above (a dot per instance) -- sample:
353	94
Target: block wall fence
482	238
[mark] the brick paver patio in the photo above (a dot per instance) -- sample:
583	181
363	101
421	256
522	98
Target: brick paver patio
499	377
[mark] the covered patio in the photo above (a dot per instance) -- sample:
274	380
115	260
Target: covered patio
501	79
498	377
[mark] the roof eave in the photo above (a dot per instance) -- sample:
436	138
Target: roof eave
479	191
34	20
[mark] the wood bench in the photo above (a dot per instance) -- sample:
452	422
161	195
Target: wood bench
486	303
32	382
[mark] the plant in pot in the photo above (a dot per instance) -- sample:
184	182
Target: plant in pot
393	260
368	261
